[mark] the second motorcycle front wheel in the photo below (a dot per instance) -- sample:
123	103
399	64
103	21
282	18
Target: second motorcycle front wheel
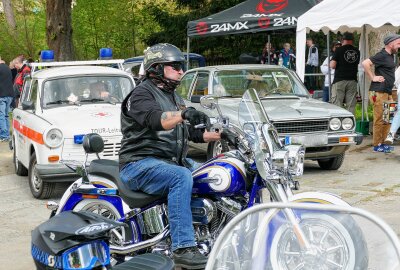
336	243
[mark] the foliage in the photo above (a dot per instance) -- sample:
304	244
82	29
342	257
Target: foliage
30	36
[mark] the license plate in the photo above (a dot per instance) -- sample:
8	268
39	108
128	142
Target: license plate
308	141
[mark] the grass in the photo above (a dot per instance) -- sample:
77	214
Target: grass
358	112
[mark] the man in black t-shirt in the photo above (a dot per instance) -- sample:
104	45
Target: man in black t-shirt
381	87
345	62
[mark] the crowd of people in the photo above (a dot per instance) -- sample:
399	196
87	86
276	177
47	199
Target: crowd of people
12	79
341	76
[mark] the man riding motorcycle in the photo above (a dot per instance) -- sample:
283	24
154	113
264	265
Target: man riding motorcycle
154	145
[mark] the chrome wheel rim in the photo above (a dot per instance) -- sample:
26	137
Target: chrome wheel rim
332	247
36	181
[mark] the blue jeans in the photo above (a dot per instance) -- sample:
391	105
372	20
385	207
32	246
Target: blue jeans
154	176
325	94
4	121
396	119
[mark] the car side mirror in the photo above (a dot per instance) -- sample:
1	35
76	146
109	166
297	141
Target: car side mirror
208	102
28	105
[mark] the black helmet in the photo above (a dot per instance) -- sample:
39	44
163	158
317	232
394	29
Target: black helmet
58	241
162	53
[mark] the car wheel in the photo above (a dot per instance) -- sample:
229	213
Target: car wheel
20	169
332	163
39	189
216	148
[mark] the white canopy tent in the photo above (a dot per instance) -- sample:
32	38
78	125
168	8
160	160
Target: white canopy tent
362	16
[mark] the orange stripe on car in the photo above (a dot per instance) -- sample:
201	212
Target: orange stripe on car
28	132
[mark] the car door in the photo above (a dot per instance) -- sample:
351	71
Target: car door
25	119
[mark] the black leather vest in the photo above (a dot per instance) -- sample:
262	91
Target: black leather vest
139	142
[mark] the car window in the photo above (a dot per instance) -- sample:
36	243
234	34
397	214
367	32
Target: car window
33	93
85	90
201	85
184	86
25	89
266	82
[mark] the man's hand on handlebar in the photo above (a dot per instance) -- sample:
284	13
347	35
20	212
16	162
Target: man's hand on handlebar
196	118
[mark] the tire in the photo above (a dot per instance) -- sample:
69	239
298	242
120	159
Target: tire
20	169
39	189
216	148
106	209
332	163
339	232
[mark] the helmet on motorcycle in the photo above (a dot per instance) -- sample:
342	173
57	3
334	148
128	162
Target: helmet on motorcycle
159	54
72	240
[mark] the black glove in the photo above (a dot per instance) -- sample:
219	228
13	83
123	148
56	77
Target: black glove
230	137
195	117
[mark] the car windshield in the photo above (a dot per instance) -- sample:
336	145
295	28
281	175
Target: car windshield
85	90
266	82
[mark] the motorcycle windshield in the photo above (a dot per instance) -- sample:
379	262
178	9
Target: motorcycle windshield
338	237
259	132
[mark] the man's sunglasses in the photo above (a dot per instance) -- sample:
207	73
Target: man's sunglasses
177	66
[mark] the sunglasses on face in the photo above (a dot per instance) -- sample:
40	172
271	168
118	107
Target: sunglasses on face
176	66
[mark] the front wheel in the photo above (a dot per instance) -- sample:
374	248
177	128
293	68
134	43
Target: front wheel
39	188
332	163
337	243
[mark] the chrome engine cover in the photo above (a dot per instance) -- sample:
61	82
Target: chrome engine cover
153	221
203	210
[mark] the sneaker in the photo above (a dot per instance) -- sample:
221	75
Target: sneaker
390	138
388	147
189	258
382	148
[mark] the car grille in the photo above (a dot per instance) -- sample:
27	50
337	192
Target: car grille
72	151
303	126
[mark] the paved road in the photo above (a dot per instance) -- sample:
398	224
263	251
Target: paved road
367	180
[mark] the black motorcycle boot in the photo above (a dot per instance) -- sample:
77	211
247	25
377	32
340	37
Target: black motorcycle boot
189	258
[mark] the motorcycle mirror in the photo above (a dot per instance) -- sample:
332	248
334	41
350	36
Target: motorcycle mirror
209	102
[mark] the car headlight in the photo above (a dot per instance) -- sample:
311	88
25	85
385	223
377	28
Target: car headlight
335	124
53	137
347	123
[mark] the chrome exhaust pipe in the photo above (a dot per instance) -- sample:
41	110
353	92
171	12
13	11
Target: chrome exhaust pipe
141	245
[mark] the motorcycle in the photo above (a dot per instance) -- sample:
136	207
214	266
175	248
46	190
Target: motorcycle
223	187
264	237
79	240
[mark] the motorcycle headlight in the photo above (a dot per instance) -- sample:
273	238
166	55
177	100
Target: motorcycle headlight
335	124
280	160
53	137
296	159
347	123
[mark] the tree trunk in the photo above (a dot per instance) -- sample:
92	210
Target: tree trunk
59	29
9	13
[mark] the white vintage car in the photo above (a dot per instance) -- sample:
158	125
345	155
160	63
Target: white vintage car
58	106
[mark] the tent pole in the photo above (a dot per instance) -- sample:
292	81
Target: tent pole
362	79
187	52
328	37
269	50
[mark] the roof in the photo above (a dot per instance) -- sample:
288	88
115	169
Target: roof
77	70
239	66
251	16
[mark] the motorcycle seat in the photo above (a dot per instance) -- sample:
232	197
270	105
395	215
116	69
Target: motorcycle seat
109	169
148	261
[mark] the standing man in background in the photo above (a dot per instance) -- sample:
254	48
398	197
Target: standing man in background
345	61
381	87
312	64
6	97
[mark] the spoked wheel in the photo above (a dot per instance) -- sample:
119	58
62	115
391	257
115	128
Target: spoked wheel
335	244
216	148
106	210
